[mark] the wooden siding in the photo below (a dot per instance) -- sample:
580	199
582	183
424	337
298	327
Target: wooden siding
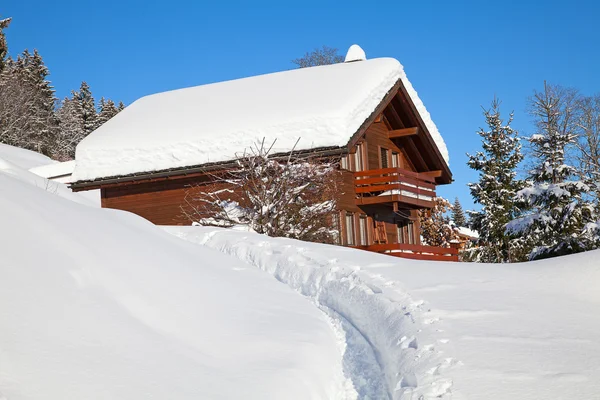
376	137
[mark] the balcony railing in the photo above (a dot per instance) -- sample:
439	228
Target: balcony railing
414	251
394	185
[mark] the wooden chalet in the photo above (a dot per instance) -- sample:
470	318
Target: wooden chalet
392	157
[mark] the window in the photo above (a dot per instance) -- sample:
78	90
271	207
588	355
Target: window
335	222
411	233
350	229
384	157
364	231
344	162
401	235
394	159
360	162
406	232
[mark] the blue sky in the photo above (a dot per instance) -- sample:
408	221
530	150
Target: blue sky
457	54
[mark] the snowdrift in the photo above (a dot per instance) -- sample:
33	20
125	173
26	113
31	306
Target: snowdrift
101	304
449	330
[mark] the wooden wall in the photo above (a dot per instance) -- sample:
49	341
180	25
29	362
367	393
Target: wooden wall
159	202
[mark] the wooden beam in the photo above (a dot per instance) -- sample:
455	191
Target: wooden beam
391	110
398	133
432	174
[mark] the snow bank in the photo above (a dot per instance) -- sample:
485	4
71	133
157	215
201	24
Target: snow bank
58	172
322	106
22	158
391	349
100	304
15	162
521	331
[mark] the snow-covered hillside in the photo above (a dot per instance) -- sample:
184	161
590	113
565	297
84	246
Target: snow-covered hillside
101	304
462	331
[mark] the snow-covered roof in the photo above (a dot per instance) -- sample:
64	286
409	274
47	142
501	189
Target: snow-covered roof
54	170
463	230
323	106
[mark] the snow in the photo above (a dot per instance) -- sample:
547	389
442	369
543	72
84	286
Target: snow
355	53
453	330
463	230
22	158
15	162
59	171
101	304
322	106
406	193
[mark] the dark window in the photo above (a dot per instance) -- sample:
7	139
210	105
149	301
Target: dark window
384	157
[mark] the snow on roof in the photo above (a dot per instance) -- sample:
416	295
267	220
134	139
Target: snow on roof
323	106
463	230
54	170
355	53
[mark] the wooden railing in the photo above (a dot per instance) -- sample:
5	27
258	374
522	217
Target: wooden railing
394	184
414	251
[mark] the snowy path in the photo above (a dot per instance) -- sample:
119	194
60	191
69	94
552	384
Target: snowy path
455	330
392	349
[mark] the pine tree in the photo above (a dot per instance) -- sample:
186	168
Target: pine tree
27	104
458	215
561	211
121	106
497	187
88	107
71	132
3	45
107	111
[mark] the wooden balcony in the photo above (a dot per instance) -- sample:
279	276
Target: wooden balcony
389	185
414	251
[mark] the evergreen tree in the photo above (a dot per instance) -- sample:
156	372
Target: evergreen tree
71	132
561	211
497	187
121	106
27	104
107	111
3	46
88	107
458	215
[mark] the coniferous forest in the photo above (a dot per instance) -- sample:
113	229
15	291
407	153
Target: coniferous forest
32	117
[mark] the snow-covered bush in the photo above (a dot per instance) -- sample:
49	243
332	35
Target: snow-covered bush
290	197
435	225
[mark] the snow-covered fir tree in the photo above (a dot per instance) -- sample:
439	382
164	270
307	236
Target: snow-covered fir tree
458	215
88	107
435	225
561	211
107	110
3	45
496	189
27	103
121	106
71	124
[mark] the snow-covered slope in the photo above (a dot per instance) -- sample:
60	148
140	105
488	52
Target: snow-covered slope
101	304
322	106
15	162
454	330
22	158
